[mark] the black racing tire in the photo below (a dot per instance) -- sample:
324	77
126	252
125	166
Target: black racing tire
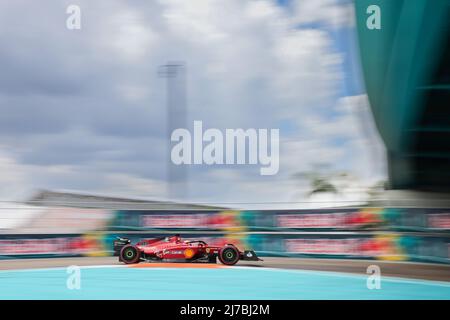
130	254
228	255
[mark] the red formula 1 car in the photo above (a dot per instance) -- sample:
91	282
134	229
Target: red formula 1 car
174	249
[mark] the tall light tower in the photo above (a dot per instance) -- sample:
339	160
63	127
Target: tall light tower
175	74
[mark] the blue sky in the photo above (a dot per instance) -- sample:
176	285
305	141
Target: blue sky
85	109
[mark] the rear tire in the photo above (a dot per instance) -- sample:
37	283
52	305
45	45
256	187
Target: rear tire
130	254
229	255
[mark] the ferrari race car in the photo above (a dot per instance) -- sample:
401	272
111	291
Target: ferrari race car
173	249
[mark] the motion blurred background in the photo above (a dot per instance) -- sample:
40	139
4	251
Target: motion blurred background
86	117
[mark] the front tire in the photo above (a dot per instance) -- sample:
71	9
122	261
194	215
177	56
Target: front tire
130	254
229	255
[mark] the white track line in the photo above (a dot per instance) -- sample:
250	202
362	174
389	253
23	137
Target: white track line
269	269
350	275
64	268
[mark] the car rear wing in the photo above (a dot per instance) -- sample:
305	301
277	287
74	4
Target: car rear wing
119	243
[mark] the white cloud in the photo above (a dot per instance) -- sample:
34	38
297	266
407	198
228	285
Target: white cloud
123	185
14	180
334	13
248	66
131	37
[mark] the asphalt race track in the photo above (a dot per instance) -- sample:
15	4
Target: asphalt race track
274	278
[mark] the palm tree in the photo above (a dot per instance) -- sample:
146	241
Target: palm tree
319	183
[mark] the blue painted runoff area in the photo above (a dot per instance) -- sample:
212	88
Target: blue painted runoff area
233	283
